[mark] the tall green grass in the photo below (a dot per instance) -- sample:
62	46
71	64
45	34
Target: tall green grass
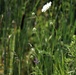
46	45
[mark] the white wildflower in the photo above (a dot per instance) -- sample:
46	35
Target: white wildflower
32	49
34	29
13	22
33	13
46	7
9	36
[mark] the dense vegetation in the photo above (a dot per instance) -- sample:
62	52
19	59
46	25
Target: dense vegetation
37	43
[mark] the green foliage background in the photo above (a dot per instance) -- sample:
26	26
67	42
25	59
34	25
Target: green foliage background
47	43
